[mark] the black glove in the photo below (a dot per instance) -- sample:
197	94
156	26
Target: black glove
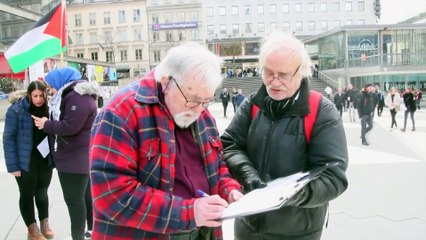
250	179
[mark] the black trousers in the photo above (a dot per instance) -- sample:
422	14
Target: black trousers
393	115
412	118
366	125
34	185
225	106
77	196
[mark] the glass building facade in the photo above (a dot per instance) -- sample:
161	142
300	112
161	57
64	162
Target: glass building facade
384	55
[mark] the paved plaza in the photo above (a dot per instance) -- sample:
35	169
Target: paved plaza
386	198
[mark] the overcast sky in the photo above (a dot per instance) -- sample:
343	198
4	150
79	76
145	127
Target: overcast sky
394	11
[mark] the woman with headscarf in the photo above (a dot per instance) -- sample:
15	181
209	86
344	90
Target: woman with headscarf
72	111
31	169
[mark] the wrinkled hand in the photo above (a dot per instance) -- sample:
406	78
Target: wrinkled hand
251	180
39	122
234	196
208	210
16	173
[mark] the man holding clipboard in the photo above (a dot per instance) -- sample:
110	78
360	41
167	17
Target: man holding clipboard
273	144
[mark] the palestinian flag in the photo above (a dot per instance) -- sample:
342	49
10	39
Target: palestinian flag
45	39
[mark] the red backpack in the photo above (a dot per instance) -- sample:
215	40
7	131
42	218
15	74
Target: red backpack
309	120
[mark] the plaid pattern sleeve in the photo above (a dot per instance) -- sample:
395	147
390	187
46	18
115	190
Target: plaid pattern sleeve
130	172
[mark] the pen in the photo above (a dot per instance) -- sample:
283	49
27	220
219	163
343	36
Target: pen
202	194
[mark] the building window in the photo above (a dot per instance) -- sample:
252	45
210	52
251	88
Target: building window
311	7
92	19
77	18
324	25
311	26
94	56
123	55
109	56
195	34
348	22
286	8
299	26
138	54
78	39
298	7
155	19
157	55
93	37
286	26
248	28
209	12
121	16
194	16
222	11
167	1
260	9
348	6
336	7
235	28
336	23
361	21
138	34
234	10
261	27
169	36
136	15
122	35
155	36
182	35
108	36
222	29
107	18
80	55
273	8
323	7
167	17
181	16
154	2
361	6
247	10
274	26
210	30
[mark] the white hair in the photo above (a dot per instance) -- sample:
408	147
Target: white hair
191	58
279	40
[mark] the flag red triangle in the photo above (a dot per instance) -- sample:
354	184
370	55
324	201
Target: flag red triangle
56	25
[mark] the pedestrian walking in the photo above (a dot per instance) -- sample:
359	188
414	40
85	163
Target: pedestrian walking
365	109
393	101
225	97
410	107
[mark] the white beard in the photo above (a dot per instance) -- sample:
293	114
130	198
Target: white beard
184	119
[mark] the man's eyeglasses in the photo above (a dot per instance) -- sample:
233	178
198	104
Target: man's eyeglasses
190	103
282	77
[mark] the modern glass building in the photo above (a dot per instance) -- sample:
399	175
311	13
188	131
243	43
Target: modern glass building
384	55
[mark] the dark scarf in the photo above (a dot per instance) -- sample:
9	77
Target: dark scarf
277	108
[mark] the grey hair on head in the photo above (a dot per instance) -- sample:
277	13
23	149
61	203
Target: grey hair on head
191	58
279	40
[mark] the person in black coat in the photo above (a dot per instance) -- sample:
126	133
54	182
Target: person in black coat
380	101
225	97
366	104
339	100
410	107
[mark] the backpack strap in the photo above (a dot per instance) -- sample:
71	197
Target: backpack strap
309	120
314	100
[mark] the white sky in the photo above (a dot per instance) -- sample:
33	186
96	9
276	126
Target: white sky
394	11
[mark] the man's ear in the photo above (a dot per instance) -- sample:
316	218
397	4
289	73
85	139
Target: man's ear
164	82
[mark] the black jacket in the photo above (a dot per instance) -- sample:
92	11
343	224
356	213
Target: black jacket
366	103
276	147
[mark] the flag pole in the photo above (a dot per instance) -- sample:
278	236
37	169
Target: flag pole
62	29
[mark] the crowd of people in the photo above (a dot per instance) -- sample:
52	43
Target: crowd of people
370	99
152	164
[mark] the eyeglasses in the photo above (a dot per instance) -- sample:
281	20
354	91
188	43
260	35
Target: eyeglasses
282	77
190	103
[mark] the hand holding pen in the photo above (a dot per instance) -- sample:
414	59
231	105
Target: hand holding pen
208	210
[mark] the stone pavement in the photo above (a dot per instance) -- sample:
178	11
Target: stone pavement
386	198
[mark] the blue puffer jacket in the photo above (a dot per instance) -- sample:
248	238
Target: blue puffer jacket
17	136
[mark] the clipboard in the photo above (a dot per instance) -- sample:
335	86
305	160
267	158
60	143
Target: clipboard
273	196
